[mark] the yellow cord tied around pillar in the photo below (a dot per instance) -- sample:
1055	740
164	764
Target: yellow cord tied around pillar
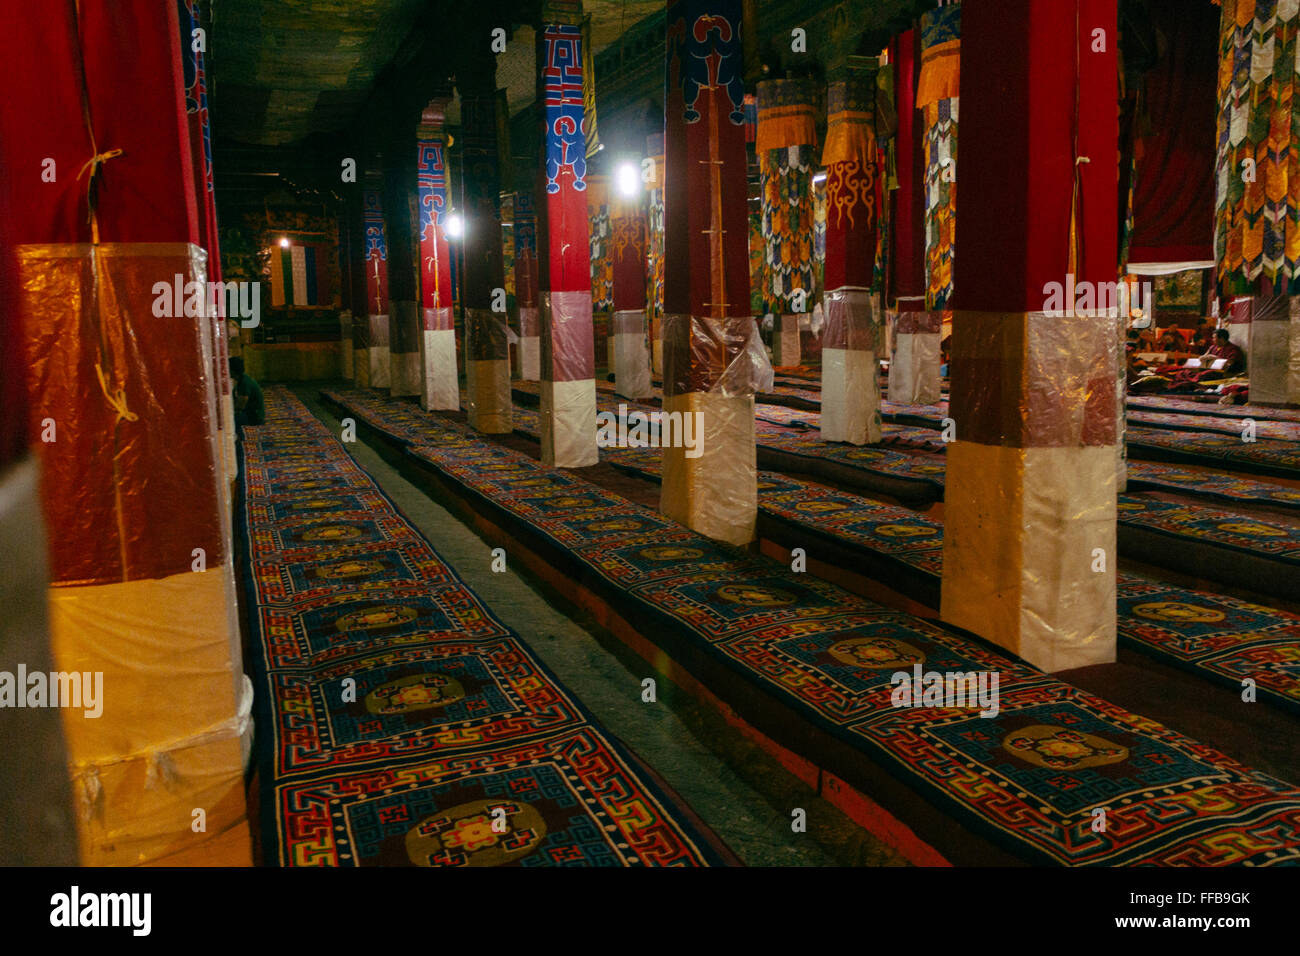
117	401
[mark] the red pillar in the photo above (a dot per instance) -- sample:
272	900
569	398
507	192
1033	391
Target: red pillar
713	357
526	292
132	481
568	400
487	363
850	340
376	258
914	356
1029	541
439	386
628	324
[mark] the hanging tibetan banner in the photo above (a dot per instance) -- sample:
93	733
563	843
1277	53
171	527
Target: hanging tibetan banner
589	90
850	340
568	399
655	251
439	386
376	286
196	107
627	255
714	360
525	228
1257	214
786	147
936	96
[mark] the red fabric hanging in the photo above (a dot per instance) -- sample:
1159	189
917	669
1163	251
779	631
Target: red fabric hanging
1173	197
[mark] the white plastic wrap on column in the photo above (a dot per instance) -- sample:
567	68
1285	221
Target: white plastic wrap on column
712	488
785	340
631	356
570	408
850	383
440	392
568	399
1273	361
380	370
530	344
914	372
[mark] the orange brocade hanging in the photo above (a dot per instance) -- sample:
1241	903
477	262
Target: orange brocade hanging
940	76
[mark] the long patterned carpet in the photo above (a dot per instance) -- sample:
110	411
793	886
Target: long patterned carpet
1027	779
1162	403
1221	638
402	724
1265	456
1211	530
1236	425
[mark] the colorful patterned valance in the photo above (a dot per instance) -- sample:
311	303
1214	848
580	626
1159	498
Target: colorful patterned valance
940	55
786	115
850	113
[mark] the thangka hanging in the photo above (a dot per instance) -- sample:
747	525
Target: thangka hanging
787	225
940	200
508	244
602	264
655	252
819	233
786	147
757	265
936	94
1257	194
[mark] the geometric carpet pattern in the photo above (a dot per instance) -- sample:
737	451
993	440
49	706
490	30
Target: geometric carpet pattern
1211	484
1028	777
1161	403
1234	531
1281	431
1217	637
1264	455
401	723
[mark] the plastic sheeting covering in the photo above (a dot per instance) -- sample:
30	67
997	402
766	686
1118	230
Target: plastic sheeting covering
568	418
1274	350
377	353
850	379
487	372
1035	380
712	368
722	357
914	369
712	487
1029	514
568	397
440	387
135	494
1024	529
785	340
568	337
631	355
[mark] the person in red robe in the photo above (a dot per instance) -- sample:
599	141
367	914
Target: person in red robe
1223	348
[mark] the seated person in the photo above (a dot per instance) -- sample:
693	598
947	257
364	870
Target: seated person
1135	368
1203	337
249	406
1234	363
1170	341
